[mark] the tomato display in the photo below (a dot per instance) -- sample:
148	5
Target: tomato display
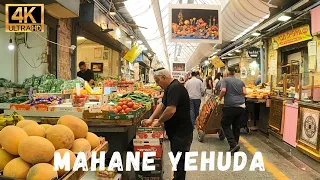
119	108
130	104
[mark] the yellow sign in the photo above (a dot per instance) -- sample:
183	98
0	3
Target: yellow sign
133	53
24	17
217	62
293	36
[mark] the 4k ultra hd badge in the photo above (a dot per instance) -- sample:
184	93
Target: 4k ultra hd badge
24	17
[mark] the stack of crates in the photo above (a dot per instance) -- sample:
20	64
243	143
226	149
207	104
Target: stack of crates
150	140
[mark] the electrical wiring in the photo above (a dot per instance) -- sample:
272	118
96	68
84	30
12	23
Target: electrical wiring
53	42
34	67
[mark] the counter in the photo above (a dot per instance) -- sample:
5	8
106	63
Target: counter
290	124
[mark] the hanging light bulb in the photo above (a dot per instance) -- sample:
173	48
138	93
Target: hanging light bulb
10	46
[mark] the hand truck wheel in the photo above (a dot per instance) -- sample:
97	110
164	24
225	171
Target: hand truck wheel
200	135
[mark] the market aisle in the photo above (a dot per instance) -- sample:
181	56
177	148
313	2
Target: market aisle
278	164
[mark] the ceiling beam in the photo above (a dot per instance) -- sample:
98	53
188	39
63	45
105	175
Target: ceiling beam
157	13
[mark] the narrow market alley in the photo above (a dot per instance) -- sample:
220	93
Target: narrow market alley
279	164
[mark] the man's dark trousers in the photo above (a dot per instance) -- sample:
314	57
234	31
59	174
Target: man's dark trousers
194	110
232	116
180	144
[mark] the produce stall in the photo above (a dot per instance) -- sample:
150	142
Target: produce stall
29	149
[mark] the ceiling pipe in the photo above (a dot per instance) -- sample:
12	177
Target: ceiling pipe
271	31
156	9
262	26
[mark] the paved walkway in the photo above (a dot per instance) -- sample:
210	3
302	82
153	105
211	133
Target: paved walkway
278	164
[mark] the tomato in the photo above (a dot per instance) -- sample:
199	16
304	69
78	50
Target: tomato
119	108
120	104
123	112
130	104
124	102
115	111
129	99
124	107
128	110
135	107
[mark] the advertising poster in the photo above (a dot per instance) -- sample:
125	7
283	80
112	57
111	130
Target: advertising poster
195	23
179	66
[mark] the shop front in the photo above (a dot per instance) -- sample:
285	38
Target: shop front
294	111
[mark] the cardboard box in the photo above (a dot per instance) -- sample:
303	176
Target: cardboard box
148	145
149	133
157	163
149	175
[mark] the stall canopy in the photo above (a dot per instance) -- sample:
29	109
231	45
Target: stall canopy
238	17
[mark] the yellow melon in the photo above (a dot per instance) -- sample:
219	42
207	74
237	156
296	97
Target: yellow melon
93	140
5	157
34	149
11	137
78	126
23	123
62	152
42	171
17	168
81	145
35	130
46	126
60	136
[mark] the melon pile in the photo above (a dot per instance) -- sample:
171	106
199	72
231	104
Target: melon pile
27	149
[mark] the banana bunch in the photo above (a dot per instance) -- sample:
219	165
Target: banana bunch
13	119
3	122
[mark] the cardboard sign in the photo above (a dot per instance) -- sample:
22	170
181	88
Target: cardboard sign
148	145
149	133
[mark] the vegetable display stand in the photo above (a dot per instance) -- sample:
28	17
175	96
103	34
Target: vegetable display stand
209	119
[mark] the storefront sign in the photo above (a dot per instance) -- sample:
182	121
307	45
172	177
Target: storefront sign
24	17
195	23
253	52
294	36
217	63
179	66
133	53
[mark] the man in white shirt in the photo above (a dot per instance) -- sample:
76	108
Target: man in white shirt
196	91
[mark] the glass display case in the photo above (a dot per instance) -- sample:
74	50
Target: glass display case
285	86
310	87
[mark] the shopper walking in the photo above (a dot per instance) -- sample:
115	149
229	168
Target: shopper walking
195	90
233	90
209	86
174	113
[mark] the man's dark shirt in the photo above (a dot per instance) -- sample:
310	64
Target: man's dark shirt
209	78
87	76
180	124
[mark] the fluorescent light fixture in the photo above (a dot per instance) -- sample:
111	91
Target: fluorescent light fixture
80	38
266	16
118	33
139	42
284	18
132	37
230	54
206	62
10	46
112	13
255	34
238	51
